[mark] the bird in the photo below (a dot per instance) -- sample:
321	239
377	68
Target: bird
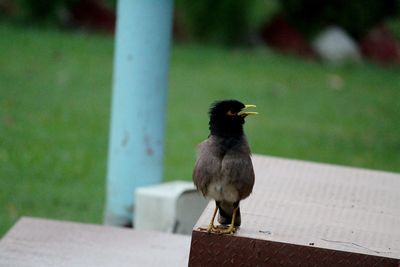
223	170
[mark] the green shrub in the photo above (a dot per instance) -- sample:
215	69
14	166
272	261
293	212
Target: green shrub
355	16
40	11
217	21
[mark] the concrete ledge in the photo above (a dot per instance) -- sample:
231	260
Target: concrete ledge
309	214
41	243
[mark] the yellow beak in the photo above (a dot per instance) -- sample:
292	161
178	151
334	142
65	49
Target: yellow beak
246	113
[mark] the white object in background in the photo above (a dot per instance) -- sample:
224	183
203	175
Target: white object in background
172	207
336	46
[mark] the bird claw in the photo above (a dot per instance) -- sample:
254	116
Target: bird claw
227	230
211	228
219	229
202	229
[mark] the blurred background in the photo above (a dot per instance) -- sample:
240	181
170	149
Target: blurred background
323	74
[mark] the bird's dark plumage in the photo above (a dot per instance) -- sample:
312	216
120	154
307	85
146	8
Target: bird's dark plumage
223	170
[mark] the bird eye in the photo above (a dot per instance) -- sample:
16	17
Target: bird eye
230	113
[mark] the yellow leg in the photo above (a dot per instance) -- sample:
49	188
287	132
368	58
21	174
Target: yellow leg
211	226
231	229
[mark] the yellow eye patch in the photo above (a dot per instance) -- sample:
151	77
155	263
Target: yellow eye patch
230	113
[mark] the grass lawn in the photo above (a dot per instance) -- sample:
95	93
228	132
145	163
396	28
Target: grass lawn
55	104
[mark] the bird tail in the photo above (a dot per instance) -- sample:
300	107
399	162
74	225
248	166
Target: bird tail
225	213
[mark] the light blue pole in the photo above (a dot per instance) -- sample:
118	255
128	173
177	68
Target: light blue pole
141	61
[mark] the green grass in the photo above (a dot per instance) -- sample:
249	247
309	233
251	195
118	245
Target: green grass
302	114
55	103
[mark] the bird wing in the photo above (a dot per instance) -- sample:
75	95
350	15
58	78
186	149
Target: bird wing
208	166
237	168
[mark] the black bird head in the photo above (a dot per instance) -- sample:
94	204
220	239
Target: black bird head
227	118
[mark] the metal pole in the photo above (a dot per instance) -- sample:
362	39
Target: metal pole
141	61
